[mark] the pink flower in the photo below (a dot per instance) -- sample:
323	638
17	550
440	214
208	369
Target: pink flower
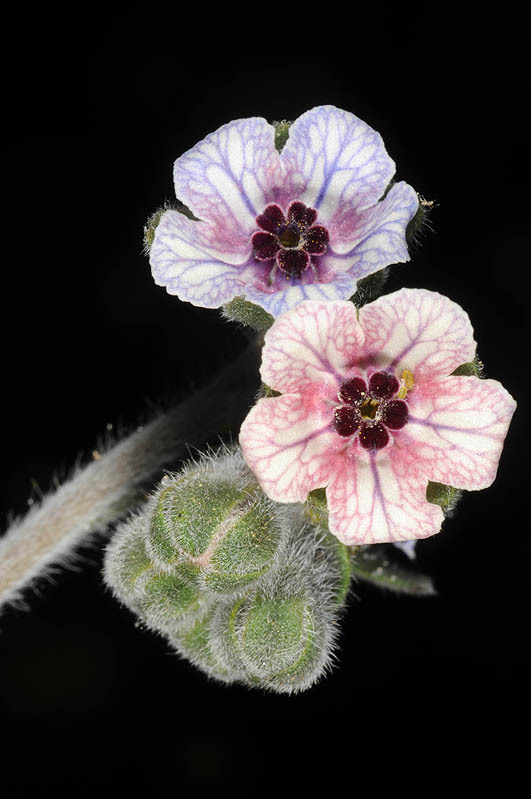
279	228
371	411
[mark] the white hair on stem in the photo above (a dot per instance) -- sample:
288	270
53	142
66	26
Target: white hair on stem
109	487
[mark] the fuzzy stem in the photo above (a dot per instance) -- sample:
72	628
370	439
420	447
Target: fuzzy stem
106	489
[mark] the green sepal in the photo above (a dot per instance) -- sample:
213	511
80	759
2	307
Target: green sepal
248	314
246	552
317	512
281	133
272	639
343	562
316	507
187	513
169	602
134	564
420	221
380	565
153	221
370	287
196	646
445	496
473	369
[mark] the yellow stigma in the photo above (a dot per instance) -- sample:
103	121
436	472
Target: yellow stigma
408	382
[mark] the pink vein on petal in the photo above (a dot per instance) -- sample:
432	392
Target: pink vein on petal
419	330
457	426
286	446
313	343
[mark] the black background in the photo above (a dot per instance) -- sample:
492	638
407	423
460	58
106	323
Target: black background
99	101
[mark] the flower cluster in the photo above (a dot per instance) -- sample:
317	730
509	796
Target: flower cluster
369	407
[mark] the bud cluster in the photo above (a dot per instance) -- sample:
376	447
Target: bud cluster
246	589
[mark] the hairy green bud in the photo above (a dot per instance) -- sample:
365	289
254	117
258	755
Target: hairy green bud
196	646
215	524
164	600
248	590
281	635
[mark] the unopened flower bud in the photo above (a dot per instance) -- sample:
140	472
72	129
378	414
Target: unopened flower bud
165	600
215	522
280	635
196	645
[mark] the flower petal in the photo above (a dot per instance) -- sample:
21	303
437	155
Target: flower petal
293	293
419	330
375	500
226	178
312	344
336	160
286	441
183	259
457	426
377	235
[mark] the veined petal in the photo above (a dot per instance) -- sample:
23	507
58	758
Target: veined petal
312	344
419	330
184	259
457	426
376	499
336	160
340	287
377	235
227	177
288	445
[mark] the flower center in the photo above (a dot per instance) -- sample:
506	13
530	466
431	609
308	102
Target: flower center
292	241
370	412
289	238
368	408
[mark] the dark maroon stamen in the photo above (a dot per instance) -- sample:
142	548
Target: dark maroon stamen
292	240
353	391
293	262
300	215
383	385
395	414
316	240
272	219
373	436
346	421
265	245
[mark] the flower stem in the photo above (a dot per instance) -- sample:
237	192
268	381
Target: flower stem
111	486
